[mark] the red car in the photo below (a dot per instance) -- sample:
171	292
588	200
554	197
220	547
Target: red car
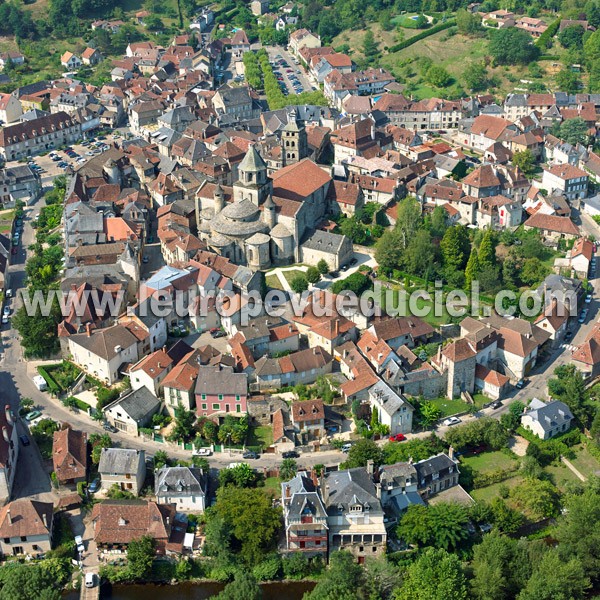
399	437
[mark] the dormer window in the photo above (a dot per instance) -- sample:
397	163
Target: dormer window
356	508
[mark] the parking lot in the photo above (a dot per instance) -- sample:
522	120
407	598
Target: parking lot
291	76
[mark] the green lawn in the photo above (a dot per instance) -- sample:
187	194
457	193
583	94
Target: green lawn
488	493
273	282
480	400
488	461
260	436
585	463
560	475
289	275
449	407
273	484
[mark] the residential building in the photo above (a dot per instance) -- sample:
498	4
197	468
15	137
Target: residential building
220	390
308	417
303	38
124	468
305	516
10	109
436	474
567	179
117	523
392	408
354	513
20	182
26	528
547	419
185	487
69	61
70	455
133	410
9	452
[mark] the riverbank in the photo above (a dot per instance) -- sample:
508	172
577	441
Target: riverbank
273	590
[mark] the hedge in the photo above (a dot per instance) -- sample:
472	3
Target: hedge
481	480
543	41
53	387
421	36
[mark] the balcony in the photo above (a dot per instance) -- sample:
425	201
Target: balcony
296	539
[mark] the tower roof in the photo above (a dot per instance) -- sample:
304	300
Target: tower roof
252	161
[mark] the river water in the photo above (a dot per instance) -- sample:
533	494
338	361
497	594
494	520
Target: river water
290	590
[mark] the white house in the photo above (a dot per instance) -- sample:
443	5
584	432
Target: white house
150	371
547	420
102	352
132	411
392	409
70	61
10	108
183	486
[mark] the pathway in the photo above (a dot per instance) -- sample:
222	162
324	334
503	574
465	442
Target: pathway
571	466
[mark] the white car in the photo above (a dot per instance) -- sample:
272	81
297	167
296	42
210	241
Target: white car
588	298
4	319
451	421
201	452
90	580
79	544
6	311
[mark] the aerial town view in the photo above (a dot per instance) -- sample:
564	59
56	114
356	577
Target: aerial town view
299	300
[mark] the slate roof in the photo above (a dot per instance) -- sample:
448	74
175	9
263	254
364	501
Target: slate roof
179	481
348	487
549	415
138	404
122	461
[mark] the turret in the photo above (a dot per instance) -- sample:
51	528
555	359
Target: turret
219	199
270	214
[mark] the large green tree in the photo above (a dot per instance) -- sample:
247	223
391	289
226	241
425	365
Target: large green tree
363	451
252	519
435	575
243	587
512	46
140	554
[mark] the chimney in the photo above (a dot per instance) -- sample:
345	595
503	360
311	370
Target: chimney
9	415
370	467
45	519
451	453
88	329
5	434
439	353
288	491
168	520
379	357
378	490
9	517
410	460
336	327
314	478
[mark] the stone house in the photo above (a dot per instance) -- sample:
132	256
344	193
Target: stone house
26	528
185	487
70	455
547	420
124	467
133	410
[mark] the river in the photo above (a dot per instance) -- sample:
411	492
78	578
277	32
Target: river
290	590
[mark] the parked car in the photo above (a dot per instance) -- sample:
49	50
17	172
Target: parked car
588	298
94	486
346	448
217	333
4	319
399	437
24	440
290	454
90	580
451	421
79	544
496	404
108	427
201	452
520	384
250	454
583	315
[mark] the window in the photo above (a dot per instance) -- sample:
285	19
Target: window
216	406
237	398
204	406
220	396
238	408
23	538
203	396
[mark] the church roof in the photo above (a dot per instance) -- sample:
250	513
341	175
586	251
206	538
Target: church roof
252	161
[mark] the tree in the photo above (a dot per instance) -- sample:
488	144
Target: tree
556	579
476	76
533	271
354	230
574	131
438	224
539	499
389	249
370	49
472	269
500	568
288	469
487	251
299	284
363	451
448	524
506	519
415	525
97	442
38	332
569	387
429	413
435	575
525	160
572	37
243	587
578	530
323	267
313	275
455	248
592	12
184	429
408	220
241	476
340	582
512	46
467	23
28	582
568	81
161	459
252	519
438	76
210	430
140	554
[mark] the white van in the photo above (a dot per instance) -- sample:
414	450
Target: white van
90	580
40	383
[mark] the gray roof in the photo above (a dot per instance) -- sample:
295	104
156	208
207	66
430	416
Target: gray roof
551	415
401	502
138	404
252	161
387	399
104	342
122	461
440	464
324	241
221	380
516	100
179	481
352	486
